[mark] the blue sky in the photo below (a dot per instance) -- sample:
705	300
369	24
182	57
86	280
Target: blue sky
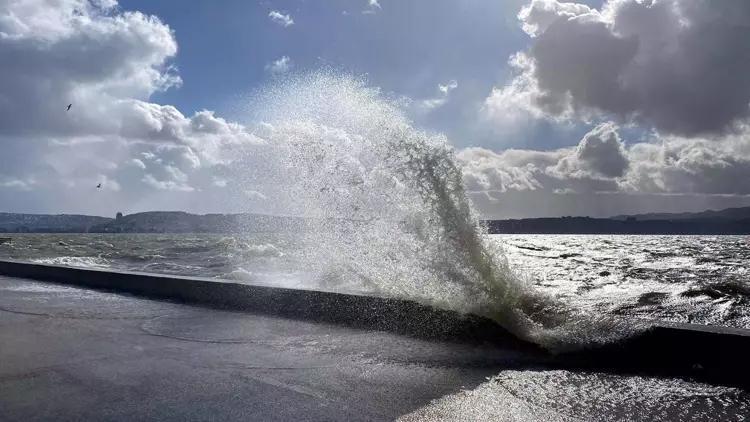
553	107
405	48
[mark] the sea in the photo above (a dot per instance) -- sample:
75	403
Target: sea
694	279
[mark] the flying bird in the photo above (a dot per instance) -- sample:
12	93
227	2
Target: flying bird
99	186
69	106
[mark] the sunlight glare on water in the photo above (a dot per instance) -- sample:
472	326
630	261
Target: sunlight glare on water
563	396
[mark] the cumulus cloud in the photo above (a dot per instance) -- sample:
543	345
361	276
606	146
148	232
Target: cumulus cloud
138	163
78	53
444	91
108	63
602	163
485	170
538	15
172	185
678	66
282	19
693	166
279	66
600	153
447	88
17	184
254	195
372	7
522	99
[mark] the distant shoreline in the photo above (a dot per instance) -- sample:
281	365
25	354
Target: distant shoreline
731	221
586	225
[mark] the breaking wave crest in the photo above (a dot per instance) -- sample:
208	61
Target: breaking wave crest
75	261
390	210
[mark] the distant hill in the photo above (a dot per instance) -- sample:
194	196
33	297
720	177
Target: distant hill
182	222
146	222
726	214
22	223
586	225
728	221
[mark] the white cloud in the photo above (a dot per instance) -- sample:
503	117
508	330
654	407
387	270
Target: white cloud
448	87
284	20
170	185
77	53
538	15
138	163
520	100
279	66
441	99
599	154
13	183
372	7
485	171
255	195
601	162
694	166
108	63
679	66
176	174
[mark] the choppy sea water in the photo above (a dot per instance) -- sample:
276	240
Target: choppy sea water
265	257
697	279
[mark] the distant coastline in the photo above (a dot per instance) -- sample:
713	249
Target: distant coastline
146	222
728	221
586	225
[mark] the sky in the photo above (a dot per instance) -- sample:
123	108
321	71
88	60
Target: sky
553	108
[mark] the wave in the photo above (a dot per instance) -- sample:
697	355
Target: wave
728	289
391	212
240	274
75	261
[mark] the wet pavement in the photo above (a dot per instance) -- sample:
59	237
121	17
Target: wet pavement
69	353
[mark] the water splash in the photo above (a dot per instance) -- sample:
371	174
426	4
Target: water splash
390	210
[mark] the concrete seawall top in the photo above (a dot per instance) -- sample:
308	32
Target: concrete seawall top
351	309
711	354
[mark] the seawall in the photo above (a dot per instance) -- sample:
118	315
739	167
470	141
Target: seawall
711	354
354	310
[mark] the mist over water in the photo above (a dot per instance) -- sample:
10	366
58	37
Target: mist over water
391	214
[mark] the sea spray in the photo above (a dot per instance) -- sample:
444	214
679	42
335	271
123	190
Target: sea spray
389	211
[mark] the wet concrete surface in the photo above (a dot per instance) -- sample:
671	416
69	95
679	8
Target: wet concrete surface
69	353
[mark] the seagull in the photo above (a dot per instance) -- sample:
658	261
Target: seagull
99	186
69	106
